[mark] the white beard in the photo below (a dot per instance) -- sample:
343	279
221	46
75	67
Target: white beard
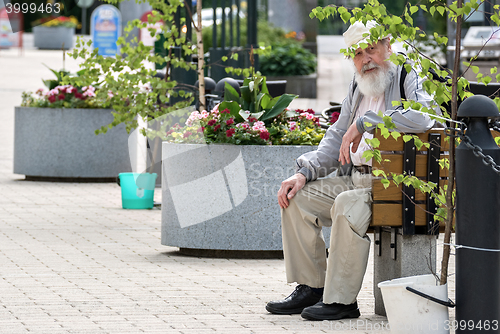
375	84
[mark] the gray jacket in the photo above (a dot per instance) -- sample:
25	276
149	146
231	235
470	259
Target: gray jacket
324	160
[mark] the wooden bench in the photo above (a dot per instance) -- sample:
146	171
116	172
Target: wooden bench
402	218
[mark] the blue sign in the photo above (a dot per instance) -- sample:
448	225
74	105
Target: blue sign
105	28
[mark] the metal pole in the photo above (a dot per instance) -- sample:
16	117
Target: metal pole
477	223
84	20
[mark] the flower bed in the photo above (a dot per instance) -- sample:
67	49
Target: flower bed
297	127
64	96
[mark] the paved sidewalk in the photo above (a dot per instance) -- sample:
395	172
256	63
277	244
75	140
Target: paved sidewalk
73	261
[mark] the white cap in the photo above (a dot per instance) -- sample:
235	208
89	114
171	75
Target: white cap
354	35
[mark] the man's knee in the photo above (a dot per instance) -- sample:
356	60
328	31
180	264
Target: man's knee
353	208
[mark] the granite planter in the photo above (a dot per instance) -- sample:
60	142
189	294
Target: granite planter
223	197
302	85
53	37
61	144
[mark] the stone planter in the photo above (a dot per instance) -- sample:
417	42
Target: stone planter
223	197
53	37
61	144
302	85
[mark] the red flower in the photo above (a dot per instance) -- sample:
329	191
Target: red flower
252	119
264	135
310	111
79	96
230	121
225	111
52	98
187	134
334	117
201	129
230	132
61	96
211	122
217	127
74	90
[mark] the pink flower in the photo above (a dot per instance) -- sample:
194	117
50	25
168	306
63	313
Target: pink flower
89	91
230	121
243	125
293	126
264	135
110	94
200	129
307	115
259	126
225	111
230	132
187	134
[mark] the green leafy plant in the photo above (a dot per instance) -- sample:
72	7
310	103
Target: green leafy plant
288	59
130	79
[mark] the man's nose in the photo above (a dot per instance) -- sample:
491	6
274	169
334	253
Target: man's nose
366	58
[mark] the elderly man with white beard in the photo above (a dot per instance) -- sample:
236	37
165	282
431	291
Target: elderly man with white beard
328	287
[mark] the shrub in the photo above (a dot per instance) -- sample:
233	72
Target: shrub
288	59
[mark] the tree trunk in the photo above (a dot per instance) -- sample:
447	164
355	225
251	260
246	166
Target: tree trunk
201	60
451	175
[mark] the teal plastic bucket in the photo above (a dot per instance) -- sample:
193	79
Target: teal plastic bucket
138	190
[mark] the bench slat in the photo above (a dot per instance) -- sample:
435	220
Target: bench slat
395	164
393	193
390	144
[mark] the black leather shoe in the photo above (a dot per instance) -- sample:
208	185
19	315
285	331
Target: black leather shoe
302	297
335	311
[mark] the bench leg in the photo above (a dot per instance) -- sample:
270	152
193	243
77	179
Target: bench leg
415	255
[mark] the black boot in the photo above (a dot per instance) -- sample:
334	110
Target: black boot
335	311
302	297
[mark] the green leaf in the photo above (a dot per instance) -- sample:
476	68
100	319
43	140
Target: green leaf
283	102
245	93
385	183
265	101
379	172
395	135
230	94
367	155
234	108
407	138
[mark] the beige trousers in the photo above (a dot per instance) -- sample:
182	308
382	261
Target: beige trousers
344	203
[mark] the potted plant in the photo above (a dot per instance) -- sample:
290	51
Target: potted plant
54	135
222	170
55	32
291	62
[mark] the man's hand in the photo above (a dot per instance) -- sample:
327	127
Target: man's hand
289	188
351	136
